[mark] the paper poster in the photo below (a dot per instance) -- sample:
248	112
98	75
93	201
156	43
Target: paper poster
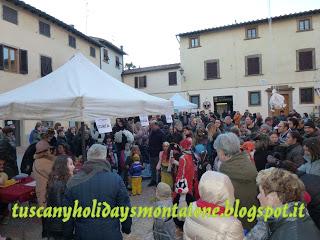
144	120
104	125
169	118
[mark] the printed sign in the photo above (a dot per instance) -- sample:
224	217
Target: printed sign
169	118
144	120
104	125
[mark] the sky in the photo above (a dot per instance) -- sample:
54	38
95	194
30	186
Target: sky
147	28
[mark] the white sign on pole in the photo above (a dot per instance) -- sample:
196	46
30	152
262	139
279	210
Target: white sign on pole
144	120
169	118
104	125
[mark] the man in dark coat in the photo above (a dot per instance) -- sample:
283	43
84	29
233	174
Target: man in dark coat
77	142
156	138
96	181
312	185
8	148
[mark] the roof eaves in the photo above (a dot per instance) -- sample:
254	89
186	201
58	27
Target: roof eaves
152	69
106	43
264	20
54	20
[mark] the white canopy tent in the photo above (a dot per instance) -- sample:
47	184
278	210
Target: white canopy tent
79	91
180	104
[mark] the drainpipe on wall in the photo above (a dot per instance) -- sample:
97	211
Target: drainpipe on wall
121	47
101	49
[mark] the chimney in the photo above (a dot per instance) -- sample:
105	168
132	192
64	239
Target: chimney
71	25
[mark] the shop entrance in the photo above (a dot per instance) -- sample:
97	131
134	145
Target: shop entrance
223	104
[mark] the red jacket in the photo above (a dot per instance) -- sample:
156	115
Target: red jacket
189	174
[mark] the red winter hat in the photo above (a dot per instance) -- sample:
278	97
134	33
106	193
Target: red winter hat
186	144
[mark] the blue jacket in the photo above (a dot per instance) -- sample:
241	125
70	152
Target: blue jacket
136	169
103	186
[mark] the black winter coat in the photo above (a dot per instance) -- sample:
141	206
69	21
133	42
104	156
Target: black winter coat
77	144
28	159
299	229
260	157
55	194
156	139
10	154
312	185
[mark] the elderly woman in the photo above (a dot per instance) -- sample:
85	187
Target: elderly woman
214	188
238	167
279	187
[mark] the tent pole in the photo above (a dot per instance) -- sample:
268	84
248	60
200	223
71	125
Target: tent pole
83	143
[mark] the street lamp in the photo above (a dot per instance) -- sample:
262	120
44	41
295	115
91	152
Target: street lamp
181	70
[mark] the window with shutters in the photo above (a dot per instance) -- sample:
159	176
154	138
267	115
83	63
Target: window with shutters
118	63
251	32
23	61
44	29
253	65
254	98
306	59
92	52
106	55
140	82
304	25
172	78
9	14
306	95
195	99
211	69
46	65
72	41
9	59
13	60
194	42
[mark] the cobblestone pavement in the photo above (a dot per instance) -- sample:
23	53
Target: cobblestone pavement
27	229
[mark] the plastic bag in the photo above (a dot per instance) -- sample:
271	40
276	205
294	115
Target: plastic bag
276	101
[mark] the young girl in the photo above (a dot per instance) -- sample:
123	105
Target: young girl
129	161
164	164
62	170
111	152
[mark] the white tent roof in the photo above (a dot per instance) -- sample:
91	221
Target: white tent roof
78	91
180	103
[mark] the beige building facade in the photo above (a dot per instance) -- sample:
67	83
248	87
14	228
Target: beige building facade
236	67
111	60
161	81
33	43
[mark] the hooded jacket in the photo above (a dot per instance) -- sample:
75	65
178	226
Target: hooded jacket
242	173
41	169
213	228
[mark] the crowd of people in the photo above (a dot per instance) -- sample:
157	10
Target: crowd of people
202	159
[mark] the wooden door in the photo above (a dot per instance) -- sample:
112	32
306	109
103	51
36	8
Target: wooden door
286	109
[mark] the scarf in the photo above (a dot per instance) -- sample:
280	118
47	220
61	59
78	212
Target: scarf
110	153
203	204
89	169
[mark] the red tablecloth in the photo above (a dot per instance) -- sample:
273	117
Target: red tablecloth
18	192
